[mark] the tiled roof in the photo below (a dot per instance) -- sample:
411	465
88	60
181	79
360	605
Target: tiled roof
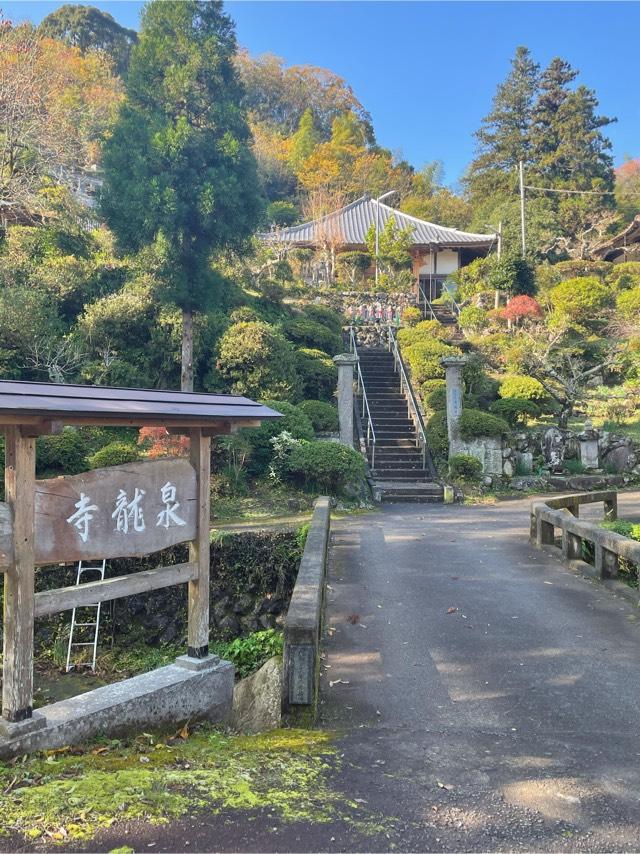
350	224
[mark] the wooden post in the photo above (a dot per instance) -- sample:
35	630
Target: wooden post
20	478
198	616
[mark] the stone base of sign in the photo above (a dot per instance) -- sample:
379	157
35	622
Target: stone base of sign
166	696
9	729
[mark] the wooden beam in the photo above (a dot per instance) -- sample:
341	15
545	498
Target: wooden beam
20	479
198	623
77	596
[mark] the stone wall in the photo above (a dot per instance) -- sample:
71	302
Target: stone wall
252	577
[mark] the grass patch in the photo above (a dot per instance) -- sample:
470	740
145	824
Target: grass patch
71	794
264	501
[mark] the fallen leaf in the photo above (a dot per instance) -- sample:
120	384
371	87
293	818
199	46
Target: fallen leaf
338	682
353	619
446	786
451	610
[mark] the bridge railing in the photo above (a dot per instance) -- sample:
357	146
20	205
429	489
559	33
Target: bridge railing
562	512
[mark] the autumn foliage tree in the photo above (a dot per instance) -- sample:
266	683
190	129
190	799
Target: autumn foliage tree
55	104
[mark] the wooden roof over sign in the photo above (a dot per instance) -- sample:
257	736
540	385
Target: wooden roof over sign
32	403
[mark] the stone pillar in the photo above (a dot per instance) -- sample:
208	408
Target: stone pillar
453	371
589	456
345	363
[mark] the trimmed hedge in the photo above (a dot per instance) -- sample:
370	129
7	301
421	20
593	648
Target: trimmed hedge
437	435
465	467
475	424
522	387
318	372
327	467
515	410
323	415
305	332
114	454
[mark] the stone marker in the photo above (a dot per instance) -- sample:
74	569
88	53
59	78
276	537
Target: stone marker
345	363
257	699
453	366
589	454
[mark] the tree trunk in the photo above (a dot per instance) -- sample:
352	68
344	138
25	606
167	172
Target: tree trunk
496	299
186	375
565	413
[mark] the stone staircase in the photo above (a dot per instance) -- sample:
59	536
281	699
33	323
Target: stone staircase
398	474
445	316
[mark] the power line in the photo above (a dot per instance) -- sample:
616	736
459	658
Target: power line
581	192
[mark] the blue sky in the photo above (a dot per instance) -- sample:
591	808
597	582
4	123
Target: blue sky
427	71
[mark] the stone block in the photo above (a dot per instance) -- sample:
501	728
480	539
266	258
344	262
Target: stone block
257	699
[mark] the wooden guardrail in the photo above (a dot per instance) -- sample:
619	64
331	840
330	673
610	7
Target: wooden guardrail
303	624
563	513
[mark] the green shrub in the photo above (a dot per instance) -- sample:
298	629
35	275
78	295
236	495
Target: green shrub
318	373
293	421
432	385
473	319
65	453
515	410
323	415
426	330
621	526
581	299
326	467
309	333
250	653
114	454
424	357
244	314
624	276
437	435
475	424
325	315
628	304
522	387
465	467
257	360
271	292
437	398
411	316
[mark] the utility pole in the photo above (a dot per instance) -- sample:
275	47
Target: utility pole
522	227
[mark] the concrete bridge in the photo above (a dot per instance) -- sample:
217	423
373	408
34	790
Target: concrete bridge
486	692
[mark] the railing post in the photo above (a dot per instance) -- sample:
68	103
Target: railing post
545	533
611	508
571	545
607	562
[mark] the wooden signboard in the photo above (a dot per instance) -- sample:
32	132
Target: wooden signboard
123	511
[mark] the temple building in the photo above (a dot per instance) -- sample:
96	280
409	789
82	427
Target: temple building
436	251
625	246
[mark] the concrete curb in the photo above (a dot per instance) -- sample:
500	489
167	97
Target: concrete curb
303	624
188	689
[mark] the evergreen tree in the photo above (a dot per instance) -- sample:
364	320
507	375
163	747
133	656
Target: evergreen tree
89	28
179	174
503	138
567	145
304	140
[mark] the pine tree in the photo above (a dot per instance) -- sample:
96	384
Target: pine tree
179	173
503	138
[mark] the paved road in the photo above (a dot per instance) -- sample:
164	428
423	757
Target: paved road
488	697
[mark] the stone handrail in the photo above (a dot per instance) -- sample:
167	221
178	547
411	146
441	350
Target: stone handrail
562	512
303	624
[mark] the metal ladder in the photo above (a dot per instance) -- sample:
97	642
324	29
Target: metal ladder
86	623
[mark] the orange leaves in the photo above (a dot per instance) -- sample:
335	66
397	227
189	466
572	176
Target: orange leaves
159	443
